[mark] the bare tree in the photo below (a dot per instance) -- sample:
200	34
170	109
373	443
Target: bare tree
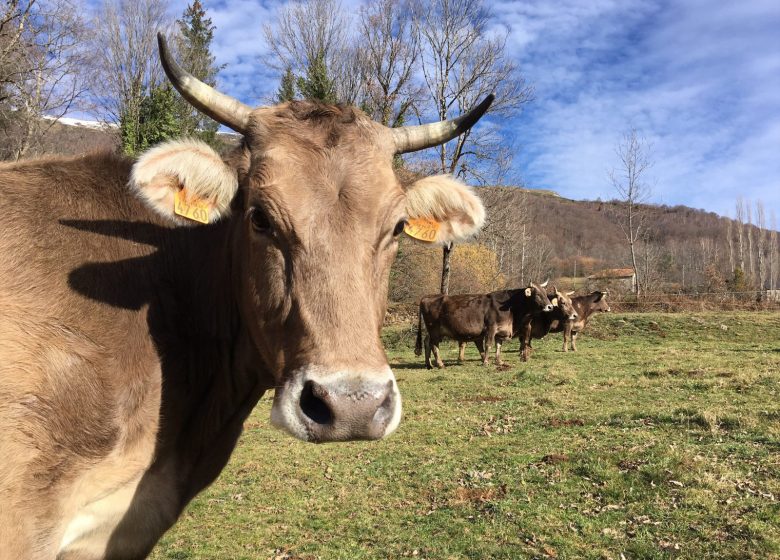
13	21
749	226
761	248
461	63
125	55
740	218
773	251
50	78
388	53
308	30
630	183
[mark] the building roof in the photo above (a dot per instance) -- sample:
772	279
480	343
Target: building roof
612	273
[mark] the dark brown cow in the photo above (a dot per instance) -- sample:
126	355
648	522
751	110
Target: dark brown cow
482	318
539	324
133	347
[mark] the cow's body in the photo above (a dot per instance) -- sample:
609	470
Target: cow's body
539	324
103	291
560	320
133	343
586	306
483	318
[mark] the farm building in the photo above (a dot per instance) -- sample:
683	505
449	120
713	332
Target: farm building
613	279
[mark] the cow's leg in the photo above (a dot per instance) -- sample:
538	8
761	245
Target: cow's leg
525	342
499	361
574	341
439	363
566	336
481	347
490	338
427	345
461	352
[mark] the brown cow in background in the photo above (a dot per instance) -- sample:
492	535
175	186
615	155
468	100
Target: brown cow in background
587	305
539	324
482	318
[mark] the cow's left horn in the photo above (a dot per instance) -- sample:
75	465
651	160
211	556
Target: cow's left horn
413	138
220	107
545	283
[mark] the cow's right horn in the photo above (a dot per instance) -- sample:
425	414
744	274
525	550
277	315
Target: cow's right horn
413	138
220	107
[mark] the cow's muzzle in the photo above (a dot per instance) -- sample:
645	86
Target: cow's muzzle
319	406
549	307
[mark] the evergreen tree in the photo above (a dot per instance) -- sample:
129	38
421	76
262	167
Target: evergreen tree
156	121
196	32
317	84
286	91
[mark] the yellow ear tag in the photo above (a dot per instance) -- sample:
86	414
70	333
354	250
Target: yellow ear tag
554	302
193	208
424	229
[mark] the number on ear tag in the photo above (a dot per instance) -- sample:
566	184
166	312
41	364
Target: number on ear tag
192	208
528	292
424	229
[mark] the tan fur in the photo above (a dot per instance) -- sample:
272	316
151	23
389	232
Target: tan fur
450	202
188	164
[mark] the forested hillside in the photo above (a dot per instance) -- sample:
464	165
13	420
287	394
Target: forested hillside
533	234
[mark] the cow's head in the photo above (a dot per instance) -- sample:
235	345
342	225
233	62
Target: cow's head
562	302
315	213
599	301
536	296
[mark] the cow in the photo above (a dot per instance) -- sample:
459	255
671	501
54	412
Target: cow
587	305
482	318
134	342
539	324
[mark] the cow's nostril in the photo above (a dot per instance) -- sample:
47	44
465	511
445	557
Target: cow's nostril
316	409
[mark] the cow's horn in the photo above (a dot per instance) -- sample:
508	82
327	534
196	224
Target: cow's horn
413	138
220	107
545	283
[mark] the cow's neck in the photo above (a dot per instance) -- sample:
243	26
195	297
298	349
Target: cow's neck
215	379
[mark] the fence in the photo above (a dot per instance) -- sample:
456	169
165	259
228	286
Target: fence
398	312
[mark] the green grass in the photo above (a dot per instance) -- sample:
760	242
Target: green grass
660	438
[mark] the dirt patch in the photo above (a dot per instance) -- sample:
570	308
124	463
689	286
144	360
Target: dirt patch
565	422
483	399
554	458
477	495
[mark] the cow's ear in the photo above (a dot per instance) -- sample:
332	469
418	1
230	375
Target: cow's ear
185	181
444	209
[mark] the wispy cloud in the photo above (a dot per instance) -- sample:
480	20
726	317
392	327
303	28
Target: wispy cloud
697	78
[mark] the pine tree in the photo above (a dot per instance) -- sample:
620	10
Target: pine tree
156	121
286	91
317	85
196	32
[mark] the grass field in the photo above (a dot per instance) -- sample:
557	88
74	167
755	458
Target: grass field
660	438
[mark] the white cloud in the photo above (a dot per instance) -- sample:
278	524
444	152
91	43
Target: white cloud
698	78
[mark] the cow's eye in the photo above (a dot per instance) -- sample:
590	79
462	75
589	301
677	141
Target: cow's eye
259	219
399	227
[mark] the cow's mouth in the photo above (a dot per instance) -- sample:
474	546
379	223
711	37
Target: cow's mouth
318	405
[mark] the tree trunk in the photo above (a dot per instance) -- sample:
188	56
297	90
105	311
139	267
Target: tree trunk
445	268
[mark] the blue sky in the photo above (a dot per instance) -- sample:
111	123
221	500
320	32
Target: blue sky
699	78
